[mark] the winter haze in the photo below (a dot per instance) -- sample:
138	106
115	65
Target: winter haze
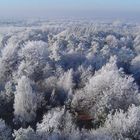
128	9
69	70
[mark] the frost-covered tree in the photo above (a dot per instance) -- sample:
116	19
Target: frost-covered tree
51	121
25	134
7	100
137	44
5	131
66	81
34	56
135	67
109	89
82	75
124	125
56	121
25	103
55	52
8	62
111	40
60	87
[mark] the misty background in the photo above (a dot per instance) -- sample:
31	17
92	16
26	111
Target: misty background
104	9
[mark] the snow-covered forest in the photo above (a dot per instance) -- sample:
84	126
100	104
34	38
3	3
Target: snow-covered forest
69	80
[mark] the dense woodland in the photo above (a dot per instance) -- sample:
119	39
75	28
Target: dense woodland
69	80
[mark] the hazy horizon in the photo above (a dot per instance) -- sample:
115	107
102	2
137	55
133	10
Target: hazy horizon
71	8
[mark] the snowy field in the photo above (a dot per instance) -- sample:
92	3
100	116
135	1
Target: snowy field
69	80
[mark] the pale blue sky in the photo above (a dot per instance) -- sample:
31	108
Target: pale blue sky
66	7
